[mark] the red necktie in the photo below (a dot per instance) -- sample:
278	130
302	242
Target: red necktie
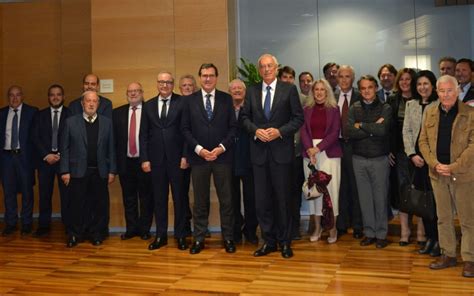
345	116
132	142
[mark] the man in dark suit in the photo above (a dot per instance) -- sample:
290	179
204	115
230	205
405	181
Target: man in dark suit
91	82
272	115
162	152
209	128
87	166
386	75
48	125
242	173
135	184
464	70
349	207
17	160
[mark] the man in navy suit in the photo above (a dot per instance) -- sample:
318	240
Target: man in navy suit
162	152
87	166
386	75
136	184
349	207
17	160
209	128
48	125
272	115
91	82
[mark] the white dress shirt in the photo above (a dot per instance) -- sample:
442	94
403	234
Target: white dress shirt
8	128
272	92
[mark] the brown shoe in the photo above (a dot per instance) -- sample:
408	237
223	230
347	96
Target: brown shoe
443	262
468	270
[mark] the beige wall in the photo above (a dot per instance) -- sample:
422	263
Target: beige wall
59	41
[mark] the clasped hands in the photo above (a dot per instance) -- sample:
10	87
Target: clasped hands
267	135
211	155
443	169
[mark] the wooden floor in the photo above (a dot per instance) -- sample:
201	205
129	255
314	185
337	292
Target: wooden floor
44	266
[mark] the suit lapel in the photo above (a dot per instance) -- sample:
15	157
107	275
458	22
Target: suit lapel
258	95
276	99
200	103
102	132
82	128
172	108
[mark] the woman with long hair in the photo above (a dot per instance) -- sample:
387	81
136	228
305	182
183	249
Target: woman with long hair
320	139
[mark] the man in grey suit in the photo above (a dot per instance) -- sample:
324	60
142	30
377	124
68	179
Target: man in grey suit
272	116
87	166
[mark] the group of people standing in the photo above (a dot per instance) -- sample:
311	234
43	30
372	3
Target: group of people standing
372	142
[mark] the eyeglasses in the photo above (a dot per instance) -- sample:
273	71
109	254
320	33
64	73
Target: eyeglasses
165	82
132	91
267	66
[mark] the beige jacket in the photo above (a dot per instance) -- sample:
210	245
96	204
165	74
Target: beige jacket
462	142
412	124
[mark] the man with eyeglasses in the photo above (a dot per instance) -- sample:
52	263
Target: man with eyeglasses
91	82
272	115
135	184
209	125
17	170
162	153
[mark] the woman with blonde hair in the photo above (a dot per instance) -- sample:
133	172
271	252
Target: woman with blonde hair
320	139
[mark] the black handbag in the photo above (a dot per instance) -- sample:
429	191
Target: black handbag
417	202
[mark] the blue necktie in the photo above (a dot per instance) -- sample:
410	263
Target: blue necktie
14	143
208	107
266	105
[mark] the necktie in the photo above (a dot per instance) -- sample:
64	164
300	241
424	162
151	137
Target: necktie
132	141
208	106
266	105
54	140
14	138
387	93
89	118
163	111
345	116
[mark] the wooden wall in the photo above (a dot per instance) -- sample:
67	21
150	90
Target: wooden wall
59	41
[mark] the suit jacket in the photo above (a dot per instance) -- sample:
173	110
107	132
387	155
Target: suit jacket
286	116
43	130
330	142
242	165
462	142
354	97
469	95
381	95
74	147
198	130
25	133
105	107
162	141
120	123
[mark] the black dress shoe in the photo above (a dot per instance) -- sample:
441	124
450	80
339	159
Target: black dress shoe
145	236
196	248
9	229
381	243
41	231
97	242
181	242
436	250
158	243
367	241
265	250
286	251
403	243
427	248
229	246
127	235
208	233
72	242
357	234
26	229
